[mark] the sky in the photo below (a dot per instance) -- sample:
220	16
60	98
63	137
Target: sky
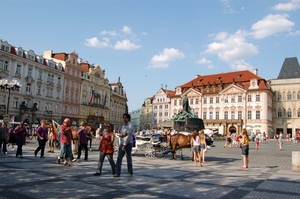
155	44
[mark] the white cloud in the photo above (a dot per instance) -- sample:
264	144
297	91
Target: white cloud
270	25
126	45
95	42
205	62
111	33
126	30
292	5
162	60
241	65
294	33
232	47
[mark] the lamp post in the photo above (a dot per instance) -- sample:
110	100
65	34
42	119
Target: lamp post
9	85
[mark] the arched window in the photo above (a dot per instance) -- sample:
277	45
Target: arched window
289	96
279	97
289	113
298	95
299	112
279	113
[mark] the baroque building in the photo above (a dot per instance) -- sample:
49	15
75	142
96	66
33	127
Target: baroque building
118	104
71	84
95	96
286	102
40	94
146	113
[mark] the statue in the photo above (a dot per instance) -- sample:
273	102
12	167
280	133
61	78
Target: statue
185	103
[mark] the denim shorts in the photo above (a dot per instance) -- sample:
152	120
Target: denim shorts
196	148
65	150
245	150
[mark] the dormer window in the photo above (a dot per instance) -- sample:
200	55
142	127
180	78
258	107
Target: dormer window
5	48
218	78
239	76
20	53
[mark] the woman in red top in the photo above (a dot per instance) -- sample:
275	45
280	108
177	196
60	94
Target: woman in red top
106	148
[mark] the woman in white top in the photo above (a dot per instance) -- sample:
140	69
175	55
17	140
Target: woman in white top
196	147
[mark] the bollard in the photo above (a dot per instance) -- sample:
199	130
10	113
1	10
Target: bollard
296	161
75	147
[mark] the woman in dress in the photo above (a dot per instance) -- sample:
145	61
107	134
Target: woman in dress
106	148
245	148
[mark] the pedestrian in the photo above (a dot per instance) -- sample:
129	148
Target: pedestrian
82	142
245	148
228	141
203	146
11	137
20	132
65	141
196	147
106	148
51	140
42	137
125	140
280	140
237	141
257	140
4	137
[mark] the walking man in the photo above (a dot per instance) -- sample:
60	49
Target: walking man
65	141
125	140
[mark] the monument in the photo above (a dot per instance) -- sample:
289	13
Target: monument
185	120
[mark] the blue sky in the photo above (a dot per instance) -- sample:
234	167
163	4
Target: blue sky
154	43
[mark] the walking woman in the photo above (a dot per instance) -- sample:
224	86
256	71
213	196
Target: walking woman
20	132
280	140
42	137
106	149
245	148
196	147
203	145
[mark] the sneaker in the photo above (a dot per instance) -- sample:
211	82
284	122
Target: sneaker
66	164
75	160
58	160
116	175
97	174
129	175
91	149
21	156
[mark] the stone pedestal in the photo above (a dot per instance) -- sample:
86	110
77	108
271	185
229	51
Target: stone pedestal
75	147
296	161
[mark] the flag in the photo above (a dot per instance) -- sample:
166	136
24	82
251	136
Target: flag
55	129
92	94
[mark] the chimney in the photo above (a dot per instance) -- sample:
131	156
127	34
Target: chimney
255	71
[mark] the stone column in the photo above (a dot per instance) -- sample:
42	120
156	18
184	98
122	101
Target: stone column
296	161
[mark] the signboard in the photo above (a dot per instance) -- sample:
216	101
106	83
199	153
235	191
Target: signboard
6	119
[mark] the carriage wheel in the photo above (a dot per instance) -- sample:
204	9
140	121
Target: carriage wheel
149	152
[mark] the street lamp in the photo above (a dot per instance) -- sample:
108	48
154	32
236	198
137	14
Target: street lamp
10	85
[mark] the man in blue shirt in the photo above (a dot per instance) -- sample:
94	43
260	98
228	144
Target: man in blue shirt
125	146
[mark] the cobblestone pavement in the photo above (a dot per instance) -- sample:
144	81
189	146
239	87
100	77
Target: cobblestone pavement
269	175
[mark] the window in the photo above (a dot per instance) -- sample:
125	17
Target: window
197	100
38	90
240	98
298	96
166	114
18	69
226	99
239	115
279	113
5	48
232	115
233	99
211	115
40	75
257	98
155	107
299	112
217	100
175	102
249	113
204	115
29	73
289	113
289	96
226	115
217	115
205	100
191	101
257	115
166	106
249	98
15	103
211	100
279	97
3	65
180	102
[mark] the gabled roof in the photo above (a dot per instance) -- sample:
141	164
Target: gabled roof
290	69
239	77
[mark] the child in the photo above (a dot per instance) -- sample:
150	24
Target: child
256	142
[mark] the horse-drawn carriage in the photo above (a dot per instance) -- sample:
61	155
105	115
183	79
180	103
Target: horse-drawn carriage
153	145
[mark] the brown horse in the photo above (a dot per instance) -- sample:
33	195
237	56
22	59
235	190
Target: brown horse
179	141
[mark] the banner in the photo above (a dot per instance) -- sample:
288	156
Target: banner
55	129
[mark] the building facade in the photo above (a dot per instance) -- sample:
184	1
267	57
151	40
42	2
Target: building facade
146	113
40	94
286	102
